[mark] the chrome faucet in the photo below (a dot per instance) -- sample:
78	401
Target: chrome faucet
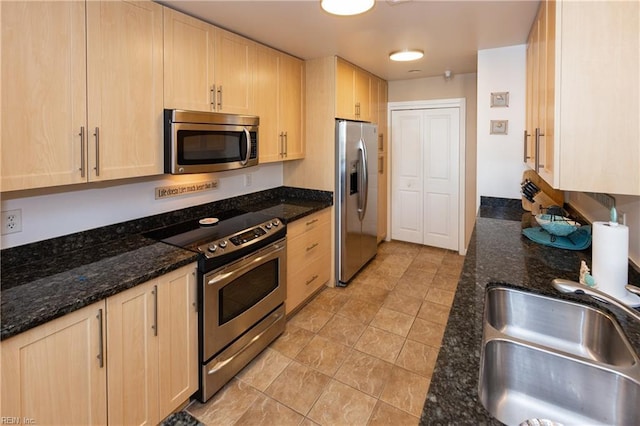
568	286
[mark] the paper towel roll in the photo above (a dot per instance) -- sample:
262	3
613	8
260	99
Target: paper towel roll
610	258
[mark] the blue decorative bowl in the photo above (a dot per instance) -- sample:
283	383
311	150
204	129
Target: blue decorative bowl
557	225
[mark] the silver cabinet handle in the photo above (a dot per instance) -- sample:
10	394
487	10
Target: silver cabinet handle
380	142
97	135
286	143
213	97
381	165
281	149
538	135
220	98
526	135
155	310
100	339
311	222
312	279
312	246
82	151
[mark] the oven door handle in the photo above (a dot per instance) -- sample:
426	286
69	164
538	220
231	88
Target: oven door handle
276	317
241	270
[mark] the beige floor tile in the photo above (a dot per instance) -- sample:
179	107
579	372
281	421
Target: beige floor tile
291	342
264	368
445	282
311	318
379	343
371	294
443	297
406	390
404	303
418	358
386	415
434	312
393	321
427	332
329	299
265	411
385	282
340	404
324	355
419	276
394	265
343	330
360	310
364	373
426	264
298	387
227	406
413	287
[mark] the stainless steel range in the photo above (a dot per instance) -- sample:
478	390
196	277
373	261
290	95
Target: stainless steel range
241	290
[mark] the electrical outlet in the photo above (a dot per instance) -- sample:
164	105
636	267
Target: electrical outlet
11	221
247	179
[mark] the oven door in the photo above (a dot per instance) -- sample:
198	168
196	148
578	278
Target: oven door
201	148
239	295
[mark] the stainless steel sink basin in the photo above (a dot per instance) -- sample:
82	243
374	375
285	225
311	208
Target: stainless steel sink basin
519	382
546	358
559	324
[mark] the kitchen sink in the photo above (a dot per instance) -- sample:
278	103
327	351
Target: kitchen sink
566	326
546	358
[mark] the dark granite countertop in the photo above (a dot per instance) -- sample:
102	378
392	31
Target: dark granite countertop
497	253
48	279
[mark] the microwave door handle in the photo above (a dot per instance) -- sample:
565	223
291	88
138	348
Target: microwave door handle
248	137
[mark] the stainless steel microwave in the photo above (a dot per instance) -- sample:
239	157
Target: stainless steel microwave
203	142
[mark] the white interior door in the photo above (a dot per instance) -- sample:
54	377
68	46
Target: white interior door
426	176
407	192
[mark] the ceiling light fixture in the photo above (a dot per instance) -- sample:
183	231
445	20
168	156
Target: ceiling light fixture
346	7
406	55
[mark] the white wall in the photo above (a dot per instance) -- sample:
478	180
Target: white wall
50	213
500	164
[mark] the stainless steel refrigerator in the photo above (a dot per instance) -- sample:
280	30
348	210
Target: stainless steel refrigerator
356	197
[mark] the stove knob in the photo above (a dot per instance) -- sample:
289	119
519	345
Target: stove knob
223	244
212	248
276	222
268	226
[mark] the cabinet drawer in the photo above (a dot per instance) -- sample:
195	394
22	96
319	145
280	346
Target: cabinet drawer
321	219
307	247
303	282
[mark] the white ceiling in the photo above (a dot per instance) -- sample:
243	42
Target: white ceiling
450	32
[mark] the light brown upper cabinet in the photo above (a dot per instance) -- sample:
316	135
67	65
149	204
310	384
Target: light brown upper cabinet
353	92
279	91
81	92
539	132
206	68
583	75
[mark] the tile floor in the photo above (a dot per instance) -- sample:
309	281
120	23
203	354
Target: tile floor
360	355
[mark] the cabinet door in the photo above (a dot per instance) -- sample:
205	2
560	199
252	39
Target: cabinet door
189	46
124	89
133	356
52	374
362	90
177	338
382	160
291	106
345	83
234	68
266	83
42	112
547	75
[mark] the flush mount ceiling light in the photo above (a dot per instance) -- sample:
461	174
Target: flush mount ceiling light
346	7
406	55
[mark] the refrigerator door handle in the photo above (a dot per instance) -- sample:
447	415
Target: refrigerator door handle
363	181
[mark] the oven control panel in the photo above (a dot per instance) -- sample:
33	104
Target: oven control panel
242	239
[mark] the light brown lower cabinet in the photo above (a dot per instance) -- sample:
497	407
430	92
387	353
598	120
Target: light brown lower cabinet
308	257
137	351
